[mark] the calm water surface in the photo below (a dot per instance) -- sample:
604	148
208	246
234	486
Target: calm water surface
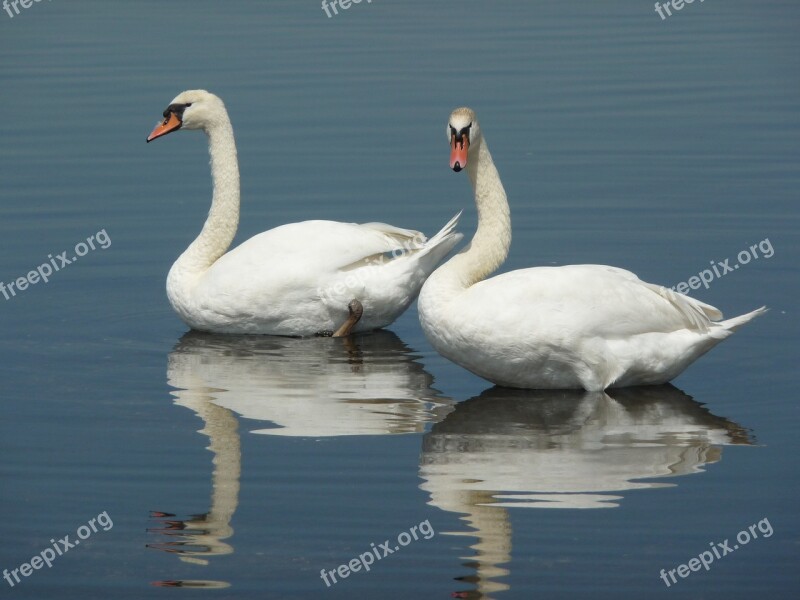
240	467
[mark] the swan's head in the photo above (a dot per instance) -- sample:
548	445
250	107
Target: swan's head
192	109
462	129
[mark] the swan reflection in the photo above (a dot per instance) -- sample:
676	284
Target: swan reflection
370	384
198	537
560	449
201	536
364	385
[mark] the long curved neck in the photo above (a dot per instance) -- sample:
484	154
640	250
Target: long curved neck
223	218
489	246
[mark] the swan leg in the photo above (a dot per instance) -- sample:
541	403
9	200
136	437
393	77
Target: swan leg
356	310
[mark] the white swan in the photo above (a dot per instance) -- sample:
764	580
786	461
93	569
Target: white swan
578	326
297	279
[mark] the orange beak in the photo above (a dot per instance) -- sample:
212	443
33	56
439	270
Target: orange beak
458	152
168	125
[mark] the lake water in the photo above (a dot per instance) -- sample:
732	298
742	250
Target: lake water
241	467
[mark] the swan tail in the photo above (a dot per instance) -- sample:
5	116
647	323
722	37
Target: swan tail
711	312
731	325
396	233
415	240
446	232
439	246
698	315
704	317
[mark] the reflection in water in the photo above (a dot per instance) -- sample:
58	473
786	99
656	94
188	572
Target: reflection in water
363	385
192	583
560	449
201	536
368	384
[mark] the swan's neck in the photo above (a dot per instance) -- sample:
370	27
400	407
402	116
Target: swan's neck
223	218
489	246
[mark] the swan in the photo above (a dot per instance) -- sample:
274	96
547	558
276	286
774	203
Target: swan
576	326
300	279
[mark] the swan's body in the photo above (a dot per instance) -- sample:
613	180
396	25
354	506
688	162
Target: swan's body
579	326
297	279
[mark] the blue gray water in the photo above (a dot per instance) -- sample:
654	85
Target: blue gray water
245	466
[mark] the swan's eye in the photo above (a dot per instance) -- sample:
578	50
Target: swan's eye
177	110
459	134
